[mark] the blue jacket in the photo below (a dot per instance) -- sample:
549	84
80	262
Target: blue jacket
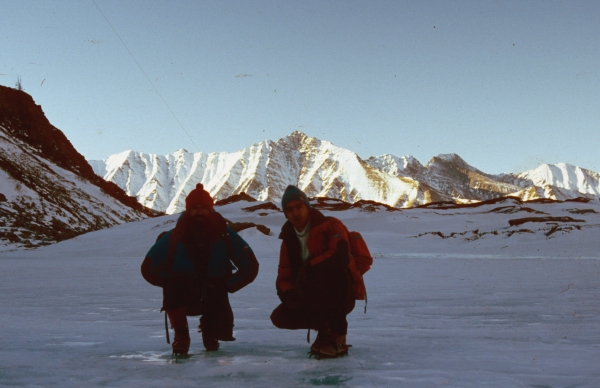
230	259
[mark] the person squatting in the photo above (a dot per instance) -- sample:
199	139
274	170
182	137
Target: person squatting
317	279
193	265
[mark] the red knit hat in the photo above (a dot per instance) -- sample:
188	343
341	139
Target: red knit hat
198	196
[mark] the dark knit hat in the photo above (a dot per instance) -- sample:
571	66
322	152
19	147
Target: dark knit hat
198	196
292	193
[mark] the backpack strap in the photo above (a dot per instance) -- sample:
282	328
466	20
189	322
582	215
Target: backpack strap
366	299
228	246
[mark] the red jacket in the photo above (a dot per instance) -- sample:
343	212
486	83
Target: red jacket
323	238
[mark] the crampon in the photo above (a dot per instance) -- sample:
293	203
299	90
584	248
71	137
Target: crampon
328	345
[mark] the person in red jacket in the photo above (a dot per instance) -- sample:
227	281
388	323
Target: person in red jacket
314	280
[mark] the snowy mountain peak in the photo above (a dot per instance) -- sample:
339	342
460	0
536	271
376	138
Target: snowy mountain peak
564	176
394	165
450	159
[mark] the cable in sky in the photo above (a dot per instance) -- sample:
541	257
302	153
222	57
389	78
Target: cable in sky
146	75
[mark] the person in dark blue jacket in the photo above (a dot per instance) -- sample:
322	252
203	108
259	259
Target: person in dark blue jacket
197	264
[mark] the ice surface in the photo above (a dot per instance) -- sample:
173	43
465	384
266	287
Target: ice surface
442	311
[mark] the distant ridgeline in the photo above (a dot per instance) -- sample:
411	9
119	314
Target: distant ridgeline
321	169
48	191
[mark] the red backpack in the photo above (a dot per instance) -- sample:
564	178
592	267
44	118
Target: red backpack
363	261
360	252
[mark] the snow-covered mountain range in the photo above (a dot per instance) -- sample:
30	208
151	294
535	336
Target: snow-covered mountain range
48	192
321	169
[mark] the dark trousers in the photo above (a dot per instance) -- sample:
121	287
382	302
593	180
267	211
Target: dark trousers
209	301
327	299
217	317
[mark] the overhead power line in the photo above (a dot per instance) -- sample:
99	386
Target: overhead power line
146	75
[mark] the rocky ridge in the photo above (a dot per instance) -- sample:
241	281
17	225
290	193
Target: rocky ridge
48	191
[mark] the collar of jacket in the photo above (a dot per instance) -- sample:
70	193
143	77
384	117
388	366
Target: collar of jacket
316	218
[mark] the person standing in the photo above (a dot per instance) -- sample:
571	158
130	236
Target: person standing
317	279
193	265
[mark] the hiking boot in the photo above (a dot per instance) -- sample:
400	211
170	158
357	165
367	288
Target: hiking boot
315	348
334	346
342	347
210	343
181	342
328	345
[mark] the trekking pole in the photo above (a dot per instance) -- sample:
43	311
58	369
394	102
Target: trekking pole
167	328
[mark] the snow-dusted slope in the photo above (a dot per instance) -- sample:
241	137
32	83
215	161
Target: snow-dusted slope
41	202
263	170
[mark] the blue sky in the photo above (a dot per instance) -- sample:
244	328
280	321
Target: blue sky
507	85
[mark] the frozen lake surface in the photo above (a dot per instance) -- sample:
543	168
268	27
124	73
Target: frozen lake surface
430	322
78	313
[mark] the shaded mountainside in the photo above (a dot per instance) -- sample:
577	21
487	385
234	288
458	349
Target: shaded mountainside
448	175
48	191
321	169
